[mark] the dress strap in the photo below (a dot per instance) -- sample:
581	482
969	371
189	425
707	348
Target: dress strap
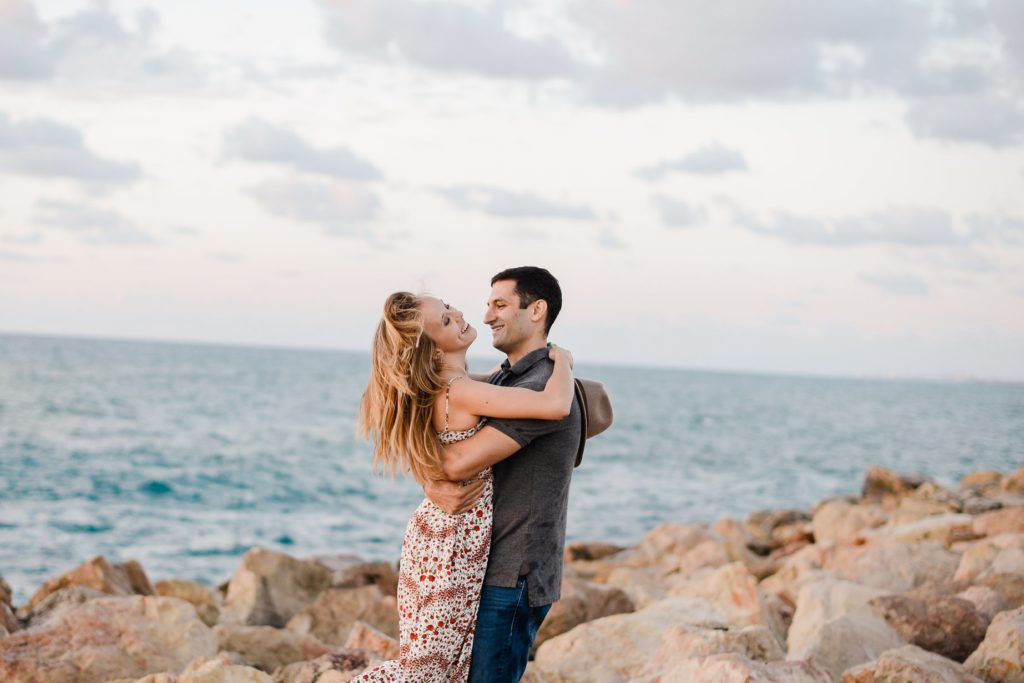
446	390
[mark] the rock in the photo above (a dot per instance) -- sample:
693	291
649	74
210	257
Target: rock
58	602
986	601
838	521
207	601
269	588
5	592
1005	520
943	498
1000	657
351	571
8	622
1014	483
763	525
590	551
362	636
267	647
735	668
643	586
835	626
126	578
224	668
880	484
975	560
1010	587
981	480
335	610
681	642
802	566
581	601
945	529
733	591
337	667
976	505
946	625
613	648
894	566
105	638
909	663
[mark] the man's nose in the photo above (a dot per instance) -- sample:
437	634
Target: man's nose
489	316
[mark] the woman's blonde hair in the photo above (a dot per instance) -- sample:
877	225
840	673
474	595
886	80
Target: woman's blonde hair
397	409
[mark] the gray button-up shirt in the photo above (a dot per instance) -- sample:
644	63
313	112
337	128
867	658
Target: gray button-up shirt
531	489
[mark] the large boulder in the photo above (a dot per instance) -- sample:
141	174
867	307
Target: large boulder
776	528
351	571
909	663
839	521
946	625
986	601
126	578
206	600
362	636
612	649
1014	482
106	638
802	566
681	642
337	667
267	647
269	588
1000	657
735	668
581	601
885	485
946	529
224	668
1010	587
330	617
1005	520
894	566
58	602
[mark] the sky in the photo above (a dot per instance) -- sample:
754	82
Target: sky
790	186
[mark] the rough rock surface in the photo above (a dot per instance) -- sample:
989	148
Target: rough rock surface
332	614
893	565
127	578
206	600
582	601
269	587
351	571
883	484
909	663
839	521
735	668
1000	657
733	591
337	667
107	638
945	529
224	668
1010	519
946	625
681	642
362	636
266	647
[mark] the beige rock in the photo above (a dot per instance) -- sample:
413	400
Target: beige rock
946	625
362	636
337	667
883	484
615	647
8	622
105	638
977	505
269	587
223	668
764	525
986	601
1000	657
681	642
945	529
733	591
582	601
1014	483
944	499
5	592
126	578
351	571
335	610
1010	587
802	566
838	521
909	663
643	586
976	560
1005	520
206	600
267	647
590	551
981	480
894	566
735	668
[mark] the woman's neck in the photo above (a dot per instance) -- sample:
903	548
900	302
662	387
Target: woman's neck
454	364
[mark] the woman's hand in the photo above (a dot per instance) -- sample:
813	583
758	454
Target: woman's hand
556	353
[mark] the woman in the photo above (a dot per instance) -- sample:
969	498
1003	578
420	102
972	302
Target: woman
420	397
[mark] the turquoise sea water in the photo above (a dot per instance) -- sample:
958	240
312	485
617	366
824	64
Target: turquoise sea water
184	456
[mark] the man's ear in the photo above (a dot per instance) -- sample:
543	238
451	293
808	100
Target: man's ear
538	311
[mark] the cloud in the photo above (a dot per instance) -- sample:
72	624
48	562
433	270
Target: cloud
678	214
997	228
91	224
258	140
900	284
342	209
505	204
45	148
994	120
444	36
908	226
23	52
712	158
607	239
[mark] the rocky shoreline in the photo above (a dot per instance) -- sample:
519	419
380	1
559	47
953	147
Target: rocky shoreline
909	581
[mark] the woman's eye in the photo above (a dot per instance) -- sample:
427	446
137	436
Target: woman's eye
447	320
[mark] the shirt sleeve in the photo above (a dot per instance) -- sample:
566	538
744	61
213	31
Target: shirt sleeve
525	431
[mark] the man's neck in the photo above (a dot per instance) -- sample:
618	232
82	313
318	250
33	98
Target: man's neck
526	348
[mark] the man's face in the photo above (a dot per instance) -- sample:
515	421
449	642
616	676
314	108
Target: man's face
510	325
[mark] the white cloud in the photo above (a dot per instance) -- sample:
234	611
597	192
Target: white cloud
46	148
23	52
506	204
91	224
259	140
342	209
710	159
897	283
678	214
990	119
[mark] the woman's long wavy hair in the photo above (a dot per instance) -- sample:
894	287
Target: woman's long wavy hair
397	409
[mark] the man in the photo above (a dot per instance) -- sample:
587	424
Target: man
531	488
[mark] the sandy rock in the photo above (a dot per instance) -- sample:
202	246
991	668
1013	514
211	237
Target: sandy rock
882	484
982	480
362	636
337	667
269	587
351	571
986	601
1000	657
206	600
615	647
733	591
944	529
977	505
1010	587
590	551
945	625
106	638
58	602
266	647
735	668
910	664
224	668
582	601
680	642
126	578
894	566
838	521
335	610
945	499
764	524
5	592
976	559
802	566
1006	520
643	586
1014	483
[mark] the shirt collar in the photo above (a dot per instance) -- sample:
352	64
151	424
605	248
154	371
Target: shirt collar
526	362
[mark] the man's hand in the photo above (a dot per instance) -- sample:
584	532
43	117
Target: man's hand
454	497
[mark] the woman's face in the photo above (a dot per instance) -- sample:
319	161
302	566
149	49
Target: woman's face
445	325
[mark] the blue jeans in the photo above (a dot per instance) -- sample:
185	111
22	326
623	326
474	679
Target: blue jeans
505	628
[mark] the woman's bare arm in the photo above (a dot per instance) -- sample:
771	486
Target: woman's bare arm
489	400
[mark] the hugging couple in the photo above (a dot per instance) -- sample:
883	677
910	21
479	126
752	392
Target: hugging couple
481	561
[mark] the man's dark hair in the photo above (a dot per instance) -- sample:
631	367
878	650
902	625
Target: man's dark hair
533	283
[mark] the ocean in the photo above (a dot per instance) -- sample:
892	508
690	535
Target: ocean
184	456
